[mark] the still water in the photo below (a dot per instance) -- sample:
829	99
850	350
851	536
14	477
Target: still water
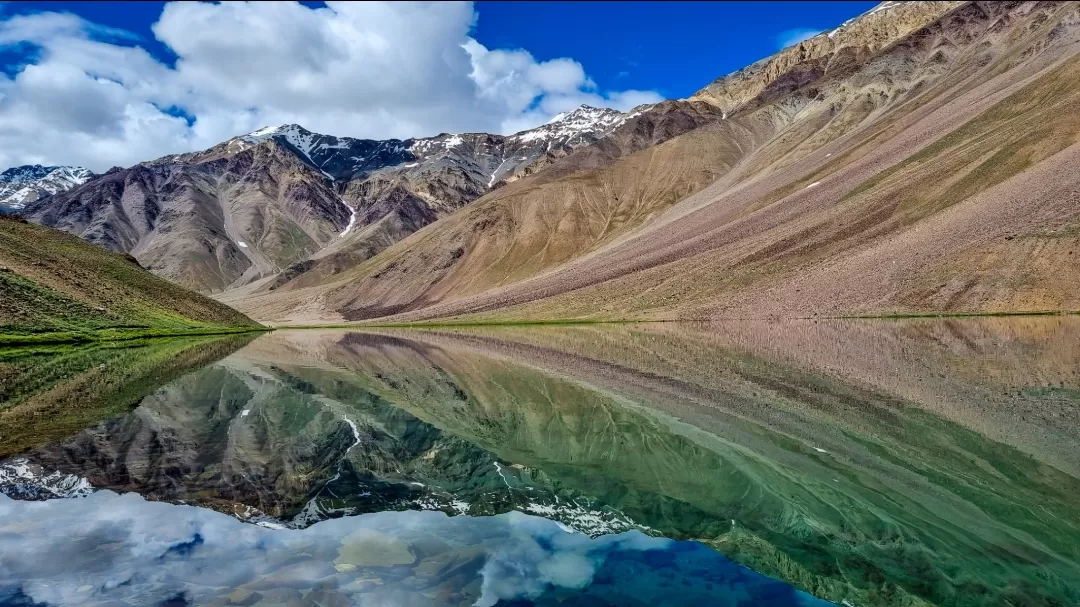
908	462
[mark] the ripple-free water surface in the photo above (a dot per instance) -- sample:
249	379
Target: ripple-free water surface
873	463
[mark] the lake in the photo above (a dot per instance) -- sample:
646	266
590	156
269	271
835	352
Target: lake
859	462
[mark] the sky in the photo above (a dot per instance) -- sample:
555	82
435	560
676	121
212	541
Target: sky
102	84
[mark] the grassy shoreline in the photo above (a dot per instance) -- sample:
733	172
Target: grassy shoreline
108	335
465	323
585	321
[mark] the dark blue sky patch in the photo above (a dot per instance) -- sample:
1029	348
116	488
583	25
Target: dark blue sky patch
178	112
14	58
183	549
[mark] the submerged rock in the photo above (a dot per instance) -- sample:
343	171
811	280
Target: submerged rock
366	548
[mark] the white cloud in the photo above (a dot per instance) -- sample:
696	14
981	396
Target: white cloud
146	552
790	37
362	69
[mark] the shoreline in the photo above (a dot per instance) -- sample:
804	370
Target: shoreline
112	335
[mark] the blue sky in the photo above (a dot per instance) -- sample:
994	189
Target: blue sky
112	82
674	48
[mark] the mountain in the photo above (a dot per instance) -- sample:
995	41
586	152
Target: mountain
20	186
914	160
55	287
284	198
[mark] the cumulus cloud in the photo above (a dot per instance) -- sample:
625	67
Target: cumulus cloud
90	95
790	37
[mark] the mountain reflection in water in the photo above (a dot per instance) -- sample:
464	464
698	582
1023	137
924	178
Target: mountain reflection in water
878	463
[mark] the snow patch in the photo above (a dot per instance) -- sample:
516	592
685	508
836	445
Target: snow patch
495	173
22	185
576	518
19	479
499	469
453	141
884	6
352	218
582	121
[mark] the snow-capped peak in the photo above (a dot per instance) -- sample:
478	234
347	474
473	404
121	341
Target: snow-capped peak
585	119
297	136
22	185
34	172
270	131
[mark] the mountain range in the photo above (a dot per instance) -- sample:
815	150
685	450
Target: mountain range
284	199
916	159
20	186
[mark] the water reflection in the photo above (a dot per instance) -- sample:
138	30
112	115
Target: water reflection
122	550
883	463
49	392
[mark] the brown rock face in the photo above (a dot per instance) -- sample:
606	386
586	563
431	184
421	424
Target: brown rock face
205	224
281	200
838	50
914	161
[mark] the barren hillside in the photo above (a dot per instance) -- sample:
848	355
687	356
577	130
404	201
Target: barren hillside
921	158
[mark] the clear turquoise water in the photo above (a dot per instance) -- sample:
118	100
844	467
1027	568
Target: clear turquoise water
892	463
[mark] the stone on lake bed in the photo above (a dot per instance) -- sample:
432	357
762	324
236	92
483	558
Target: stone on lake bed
280	596
362	585
243	596
367	548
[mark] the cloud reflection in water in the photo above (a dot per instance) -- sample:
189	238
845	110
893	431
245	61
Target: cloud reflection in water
121	549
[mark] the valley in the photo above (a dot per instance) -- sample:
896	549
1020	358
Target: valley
914	160
379	307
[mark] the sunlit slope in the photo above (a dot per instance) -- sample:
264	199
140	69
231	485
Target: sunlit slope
56	286
931	174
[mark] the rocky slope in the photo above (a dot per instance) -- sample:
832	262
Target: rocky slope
20	186
839	49
284	198
915	160
55	287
